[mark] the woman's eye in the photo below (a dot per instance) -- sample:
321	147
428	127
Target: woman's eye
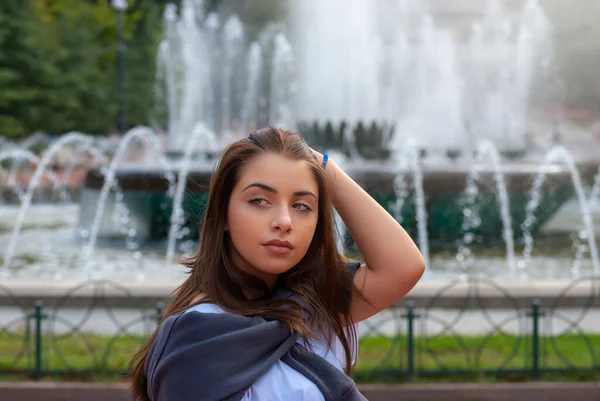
302	207
258	201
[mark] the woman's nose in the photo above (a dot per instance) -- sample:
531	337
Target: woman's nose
282	220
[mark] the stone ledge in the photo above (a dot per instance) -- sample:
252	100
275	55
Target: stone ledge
46	391
430	294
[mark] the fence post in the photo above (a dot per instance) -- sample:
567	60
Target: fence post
535	337
38	316
159	309
410	336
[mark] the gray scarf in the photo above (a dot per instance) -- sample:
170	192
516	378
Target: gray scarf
217	357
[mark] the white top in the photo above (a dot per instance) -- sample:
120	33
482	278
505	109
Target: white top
282	382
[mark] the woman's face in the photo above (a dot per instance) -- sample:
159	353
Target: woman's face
272	215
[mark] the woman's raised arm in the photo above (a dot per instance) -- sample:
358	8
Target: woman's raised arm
393	263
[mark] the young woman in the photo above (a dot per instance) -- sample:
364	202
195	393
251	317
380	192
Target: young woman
270	307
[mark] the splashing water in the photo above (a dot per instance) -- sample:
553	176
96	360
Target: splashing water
471	221
409	157
109	182
73	137
19	155
233	49
281	88
560	153
200	133
595	192
392	61
251	97
486	151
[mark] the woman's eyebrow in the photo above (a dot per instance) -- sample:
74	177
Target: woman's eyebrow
273	190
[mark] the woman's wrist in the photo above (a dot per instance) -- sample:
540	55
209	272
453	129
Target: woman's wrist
332	174
330	168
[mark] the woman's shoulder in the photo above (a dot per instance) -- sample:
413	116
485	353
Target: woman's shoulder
205	307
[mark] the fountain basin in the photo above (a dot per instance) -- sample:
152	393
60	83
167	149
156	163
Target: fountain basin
145	195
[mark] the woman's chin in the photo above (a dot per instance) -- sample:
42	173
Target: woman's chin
274	269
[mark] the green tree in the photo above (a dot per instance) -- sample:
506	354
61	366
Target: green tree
82	95
58	61
140	59
52	68
23	77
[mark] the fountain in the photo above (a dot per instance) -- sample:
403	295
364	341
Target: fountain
388	61
434	127
41	244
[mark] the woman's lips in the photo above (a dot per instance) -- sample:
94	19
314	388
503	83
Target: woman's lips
278	247
278	250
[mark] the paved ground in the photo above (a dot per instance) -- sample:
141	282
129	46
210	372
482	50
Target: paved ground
431	392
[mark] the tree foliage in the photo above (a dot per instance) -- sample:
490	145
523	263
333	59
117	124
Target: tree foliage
58	61
58	65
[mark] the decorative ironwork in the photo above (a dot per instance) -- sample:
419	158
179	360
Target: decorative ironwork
475	328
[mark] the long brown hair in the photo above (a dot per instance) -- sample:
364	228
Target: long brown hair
319	280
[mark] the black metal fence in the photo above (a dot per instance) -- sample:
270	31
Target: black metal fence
475	328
